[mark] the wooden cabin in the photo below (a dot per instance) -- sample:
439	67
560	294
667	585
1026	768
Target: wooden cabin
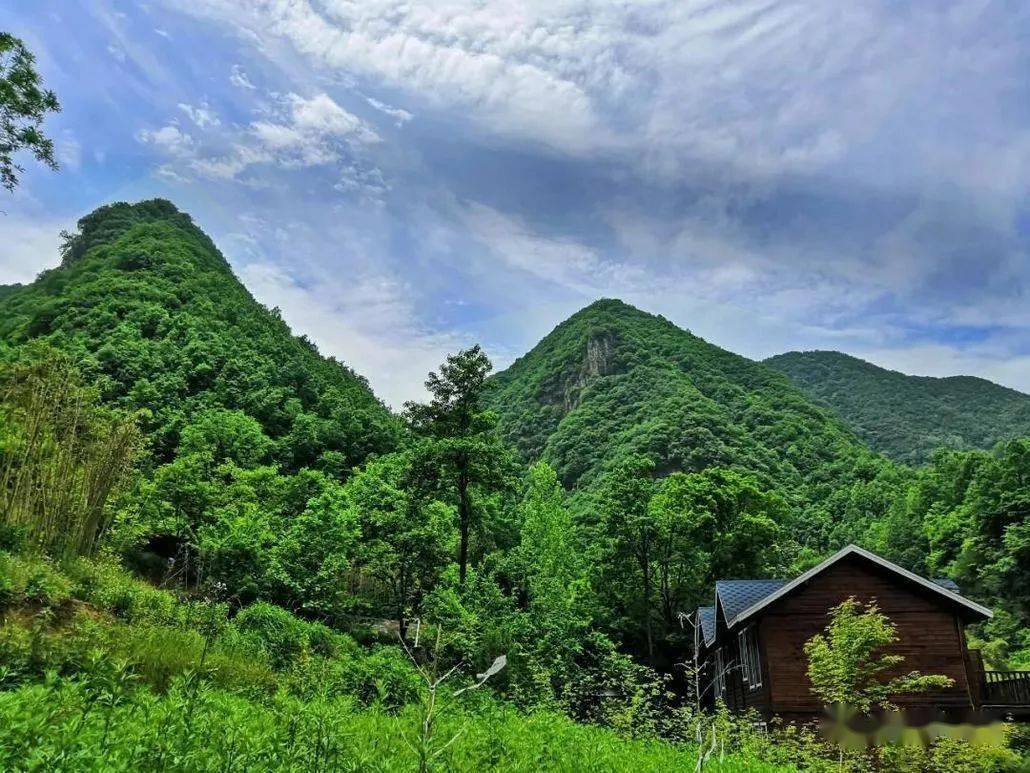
750	643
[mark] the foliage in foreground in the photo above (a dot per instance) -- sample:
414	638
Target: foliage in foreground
847	664
85	725
99	671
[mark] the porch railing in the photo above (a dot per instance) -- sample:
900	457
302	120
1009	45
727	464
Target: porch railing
1006	688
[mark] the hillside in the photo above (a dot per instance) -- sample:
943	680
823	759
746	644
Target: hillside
613	380
908	417
144	300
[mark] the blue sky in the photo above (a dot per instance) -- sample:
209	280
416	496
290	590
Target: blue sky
404	178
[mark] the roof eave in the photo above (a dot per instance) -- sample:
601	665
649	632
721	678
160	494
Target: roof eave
856	550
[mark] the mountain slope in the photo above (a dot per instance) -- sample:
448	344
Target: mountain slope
907	417
145	302
612	380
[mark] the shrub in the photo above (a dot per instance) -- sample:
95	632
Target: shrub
31	580
948	755
285	637
14	538
384	677
15	654
106	585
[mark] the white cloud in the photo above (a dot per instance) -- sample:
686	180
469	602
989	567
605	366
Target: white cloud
746	90
400	115
202	115
170	139
293	133
506	63
304	133
238	78
554	259
367	183
69	151
30	245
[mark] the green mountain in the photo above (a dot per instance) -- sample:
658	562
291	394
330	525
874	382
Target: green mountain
145	302
907	417
613	380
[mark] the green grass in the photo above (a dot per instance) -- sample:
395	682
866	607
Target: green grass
101	671
61	726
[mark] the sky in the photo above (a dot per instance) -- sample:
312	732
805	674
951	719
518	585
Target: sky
404	179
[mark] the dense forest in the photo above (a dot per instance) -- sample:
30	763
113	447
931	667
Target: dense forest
908	417
322	563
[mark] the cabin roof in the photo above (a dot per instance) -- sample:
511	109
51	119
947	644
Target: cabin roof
734	596
737	591
706	617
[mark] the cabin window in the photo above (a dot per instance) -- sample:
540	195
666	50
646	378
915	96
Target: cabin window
750	664
720	674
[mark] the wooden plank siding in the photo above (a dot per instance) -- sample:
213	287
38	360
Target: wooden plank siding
739	695
931	636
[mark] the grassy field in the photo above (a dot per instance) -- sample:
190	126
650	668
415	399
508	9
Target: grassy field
62	725
101	671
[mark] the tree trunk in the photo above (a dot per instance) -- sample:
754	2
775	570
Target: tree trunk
464	518
647	615
645	568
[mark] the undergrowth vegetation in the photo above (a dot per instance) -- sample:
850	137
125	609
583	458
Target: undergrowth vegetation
101	671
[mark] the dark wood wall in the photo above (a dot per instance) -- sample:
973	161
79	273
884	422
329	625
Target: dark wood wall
930	634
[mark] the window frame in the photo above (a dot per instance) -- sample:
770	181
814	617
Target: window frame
750	657
719	679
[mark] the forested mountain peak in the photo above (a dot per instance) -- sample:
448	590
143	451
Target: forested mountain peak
612	380
908	417
145	302
110	221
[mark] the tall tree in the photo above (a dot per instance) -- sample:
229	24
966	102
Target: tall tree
24	104
713	524
630	533
461	449
405	540
555	577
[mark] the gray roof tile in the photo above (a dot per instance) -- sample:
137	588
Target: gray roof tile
707	617
737	595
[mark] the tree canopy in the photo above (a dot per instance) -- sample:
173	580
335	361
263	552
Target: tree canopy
909	417
24	104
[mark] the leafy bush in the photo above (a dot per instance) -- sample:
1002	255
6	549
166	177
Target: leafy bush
948	755
31	580
286	637
383	677
13	538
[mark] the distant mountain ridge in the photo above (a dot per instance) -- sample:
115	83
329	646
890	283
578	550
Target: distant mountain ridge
613	380
908	417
